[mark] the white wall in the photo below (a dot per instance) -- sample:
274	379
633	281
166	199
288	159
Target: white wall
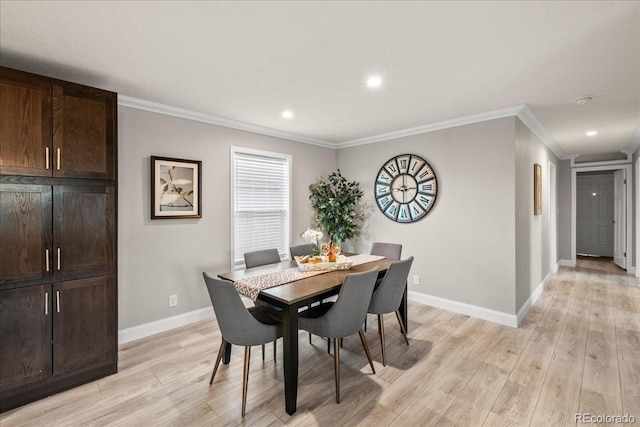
464	248
532	231
163	257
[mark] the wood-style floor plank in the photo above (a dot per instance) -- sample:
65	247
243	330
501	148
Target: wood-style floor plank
577	350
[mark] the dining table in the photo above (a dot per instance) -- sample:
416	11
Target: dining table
291	296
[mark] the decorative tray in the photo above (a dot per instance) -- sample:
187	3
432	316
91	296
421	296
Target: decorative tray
315	263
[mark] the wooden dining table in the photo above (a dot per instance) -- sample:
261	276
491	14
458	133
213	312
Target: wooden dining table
289	297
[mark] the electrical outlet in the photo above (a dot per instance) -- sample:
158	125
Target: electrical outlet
416	279
173	300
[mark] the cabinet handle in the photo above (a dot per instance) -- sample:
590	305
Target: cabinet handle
46	155
58	159
46	303
46	259
58	301
59	259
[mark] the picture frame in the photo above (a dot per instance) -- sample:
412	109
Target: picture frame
176	188
537	189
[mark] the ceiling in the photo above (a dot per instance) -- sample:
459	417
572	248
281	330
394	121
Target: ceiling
439	61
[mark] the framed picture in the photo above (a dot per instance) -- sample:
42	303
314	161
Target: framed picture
537	189
175	188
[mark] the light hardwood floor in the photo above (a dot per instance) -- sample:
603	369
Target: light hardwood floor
578	350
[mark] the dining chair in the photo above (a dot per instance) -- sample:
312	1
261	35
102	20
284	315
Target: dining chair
387	297
257	259
301	250
239	325
262	257
344	317
387	250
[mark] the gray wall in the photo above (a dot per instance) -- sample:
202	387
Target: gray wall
163	257
564	210
464	248
532	231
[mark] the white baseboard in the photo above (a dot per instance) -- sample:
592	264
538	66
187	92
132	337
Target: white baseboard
567	263
163	325
464	308
555	267
632	270
532	299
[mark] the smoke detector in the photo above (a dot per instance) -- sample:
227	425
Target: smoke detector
584	100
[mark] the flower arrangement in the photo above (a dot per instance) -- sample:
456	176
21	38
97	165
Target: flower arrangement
313	236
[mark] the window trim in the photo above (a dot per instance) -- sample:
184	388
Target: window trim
251	151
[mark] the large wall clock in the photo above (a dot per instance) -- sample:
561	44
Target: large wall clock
406	188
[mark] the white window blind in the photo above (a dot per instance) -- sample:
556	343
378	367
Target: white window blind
261	202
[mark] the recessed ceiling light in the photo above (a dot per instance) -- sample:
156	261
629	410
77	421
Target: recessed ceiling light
374	81
287	114
592	133
583	100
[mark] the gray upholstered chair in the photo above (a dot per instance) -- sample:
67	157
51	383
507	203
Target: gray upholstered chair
257	259
387	297
301	250
387	250
239	326
262	257
344	317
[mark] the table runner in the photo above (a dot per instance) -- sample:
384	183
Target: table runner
251	287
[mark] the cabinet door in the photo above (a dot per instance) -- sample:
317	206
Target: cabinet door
25	334
83	132
84	323
83	231
25	233
25	124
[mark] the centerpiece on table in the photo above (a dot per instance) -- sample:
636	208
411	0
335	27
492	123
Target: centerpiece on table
313	236
334	201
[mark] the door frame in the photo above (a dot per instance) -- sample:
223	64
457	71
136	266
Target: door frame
553	218
628	214
637	225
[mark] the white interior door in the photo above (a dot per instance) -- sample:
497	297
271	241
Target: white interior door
619	213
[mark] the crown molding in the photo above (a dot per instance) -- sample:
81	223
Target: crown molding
156	107
475	118
521	111
527	117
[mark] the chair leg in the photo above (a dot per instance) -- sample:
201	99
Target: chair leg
245	378
381	332
220	353
329	345
402	328
365	322
274	349
263	353
309	337
336	359
366	349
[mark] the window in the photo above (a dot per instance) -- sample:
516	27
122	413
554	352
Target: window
261	202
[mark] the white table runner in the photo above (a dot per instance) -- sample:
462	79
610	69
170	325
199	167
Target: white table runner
251	286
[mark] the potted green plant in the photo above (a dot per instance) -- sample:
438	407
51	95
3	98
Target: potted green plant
334	201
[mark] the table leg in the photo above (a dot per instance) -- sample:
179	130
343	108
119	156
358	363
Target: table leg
290	347
403	309
227	354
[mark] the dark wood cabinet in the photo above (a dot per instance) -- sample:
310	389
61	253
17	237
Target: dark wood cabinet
25	124
25	334
84	331
58	228
53	128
